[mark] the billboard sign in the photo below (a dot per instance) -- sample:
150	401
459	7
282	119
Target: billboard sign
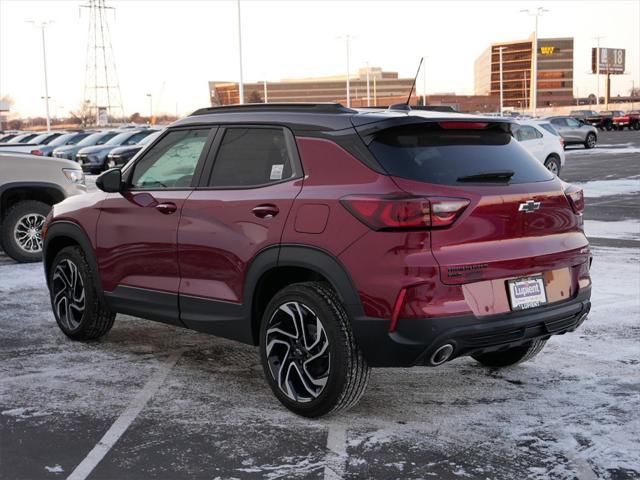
611	60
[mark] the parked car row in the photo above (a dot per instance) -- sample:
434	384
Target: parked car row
609	119
90	148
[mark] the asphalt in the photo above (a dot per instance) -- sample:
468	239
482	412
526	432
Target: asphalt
154	401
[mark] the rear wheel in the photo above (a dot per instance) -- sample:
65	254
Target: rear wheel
512	356
553	164
308	352
80	311
22	230
590	141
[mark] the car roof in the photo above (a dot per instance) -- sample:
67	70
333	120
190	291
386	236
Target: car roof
319	116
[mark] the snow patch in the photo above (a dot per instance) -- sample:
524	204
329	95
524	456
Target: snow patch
23	413
603	150
55	469
624	230
22	276
605	188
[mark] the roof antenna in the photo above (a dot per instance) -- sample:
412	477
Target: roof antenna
405	106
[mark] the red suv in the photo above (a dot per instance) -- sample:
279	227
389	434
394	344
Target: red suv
335	239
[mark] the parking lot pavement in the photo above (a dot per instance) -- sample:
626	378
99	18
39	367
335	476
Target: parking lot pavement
154	401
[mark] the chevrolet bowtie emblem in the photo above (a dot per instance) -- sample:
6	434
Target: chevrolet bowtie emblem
529	206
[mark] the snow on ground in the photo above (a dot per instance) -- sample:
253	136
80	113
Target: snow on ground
569	413
605	188
623	230
619	149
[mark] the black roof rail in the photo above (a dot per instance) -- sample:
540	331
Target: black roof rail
277	107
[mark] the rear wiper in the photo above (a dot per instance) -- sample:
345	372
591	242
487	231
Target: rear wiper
499	176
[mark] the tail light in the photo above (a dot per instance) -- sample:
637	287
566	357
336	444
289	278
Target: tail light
575	195
36	152
384	212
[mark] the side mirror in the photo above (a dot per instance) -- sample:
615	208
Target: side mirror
581	122
110	181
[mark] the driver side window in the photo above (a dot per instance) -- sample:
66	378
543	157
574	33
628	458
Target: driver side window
573	122
172	162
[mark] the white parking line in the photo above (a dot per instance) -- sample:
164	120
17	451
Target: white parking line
125	419
336	458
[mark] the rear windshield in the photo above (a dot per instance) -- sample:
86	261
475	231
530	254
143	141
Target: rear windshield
550	129
431	154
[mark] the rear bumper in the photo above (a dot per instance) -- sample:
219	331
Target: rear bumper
415	340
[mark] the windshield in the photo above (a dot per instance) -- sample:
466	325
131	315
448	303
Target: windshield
149	138
97	138
549	128
432	154
62	139
119	139
39	138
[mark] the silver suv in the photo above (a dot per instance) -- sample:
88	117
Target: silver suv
574	131
29	186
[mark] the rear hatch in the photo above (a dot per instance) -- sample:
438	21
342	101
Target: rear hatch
518	221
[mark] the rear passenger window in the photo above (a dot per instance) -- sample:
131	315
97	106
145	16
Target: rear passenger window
251	157
525	133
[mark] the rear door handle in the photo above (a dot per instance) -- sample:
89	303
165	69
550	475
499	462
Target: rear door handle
265	211
167	208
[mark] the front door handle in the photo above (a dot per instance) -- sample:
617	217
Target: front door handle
167	208
265	211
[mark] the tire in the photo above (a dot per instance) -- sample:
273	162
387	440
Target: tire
512	356
590	141
339	373
80	310
553	164
21	230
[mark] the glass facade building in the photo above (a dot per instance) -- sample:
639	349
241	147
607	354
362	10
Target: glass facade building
555	72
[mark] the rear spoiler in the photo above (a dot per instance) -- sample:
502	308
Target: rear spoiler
368	131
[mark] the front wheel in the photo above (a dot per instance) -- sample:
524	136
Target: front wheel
79	309
590	141
512	356
553	164
22	230
308	352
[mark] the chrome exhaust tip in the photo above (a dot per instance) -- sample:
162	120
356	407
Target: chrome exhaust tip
441	355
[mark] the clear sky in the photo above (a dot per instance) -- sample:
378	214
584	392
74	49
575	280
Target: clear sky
171	48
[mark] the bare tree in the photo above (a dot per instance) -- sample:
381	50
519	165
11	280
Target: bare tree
85	115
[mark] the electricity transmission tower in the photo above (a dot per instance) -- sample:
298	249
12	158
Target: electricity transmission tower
101	85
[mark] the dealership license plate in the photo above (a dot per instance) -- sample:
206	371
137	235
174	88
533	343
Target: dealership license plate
527	292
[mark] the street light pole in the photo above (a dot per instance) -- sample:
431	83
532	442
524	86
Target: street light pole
42	26
150	107
500	49
534	64
597	39
424	82
266	96
240	54
348	82
368	90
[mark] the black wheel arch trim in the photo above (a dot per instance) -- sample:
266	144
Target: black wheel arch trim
73	231
37	185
